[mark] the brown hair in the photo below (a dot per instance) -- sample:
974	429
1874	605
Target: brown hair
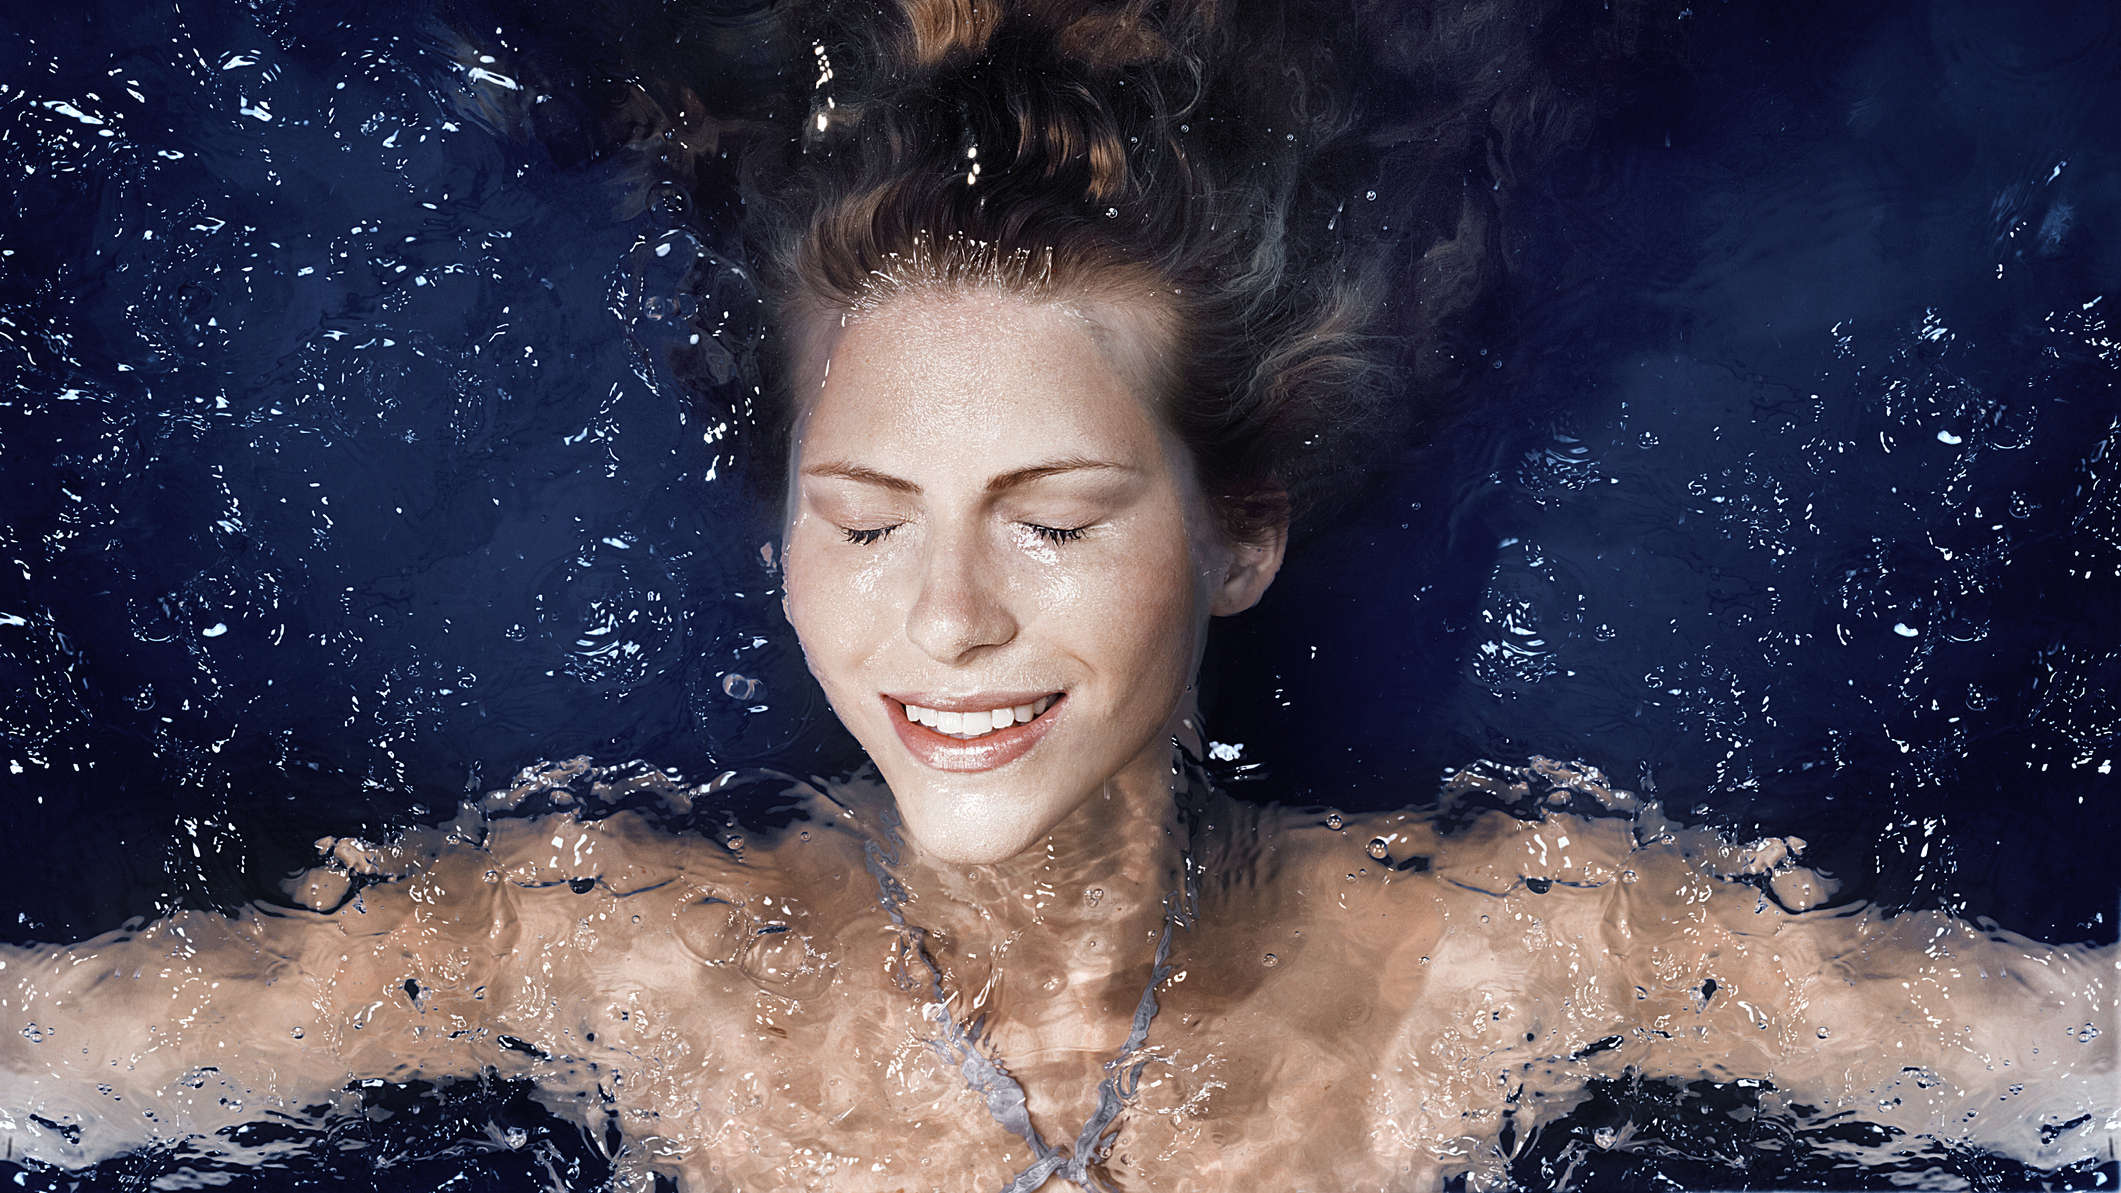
1211	149
1070	149
1325	191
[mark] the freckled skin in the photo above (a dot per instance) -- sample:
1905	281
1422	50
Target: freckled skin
756	1020
963	594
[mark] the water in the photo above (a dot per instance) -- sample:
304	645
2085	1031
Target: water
349	470
775	1012
1801	512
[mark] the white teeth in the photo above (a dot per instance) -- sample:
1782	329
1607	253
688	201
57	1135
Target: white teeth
969	725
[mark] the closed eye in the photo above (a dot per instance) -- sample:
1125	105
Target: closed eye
1056	534
864	538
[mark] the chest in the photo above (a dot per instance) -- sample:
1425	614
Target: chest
1261	1084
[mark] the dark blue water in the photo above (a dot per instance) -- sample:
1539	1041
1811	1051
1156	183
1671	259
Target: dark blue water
357	450
1803	511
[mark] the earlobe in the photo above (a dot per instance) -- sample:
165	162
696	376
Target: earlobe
1253	566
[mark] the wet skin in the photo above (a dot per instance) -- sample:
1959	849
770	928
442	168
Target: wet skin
986	512
741	1020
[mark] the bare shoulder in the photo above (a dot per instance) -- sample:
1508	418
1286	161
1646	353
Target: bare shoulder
1316	888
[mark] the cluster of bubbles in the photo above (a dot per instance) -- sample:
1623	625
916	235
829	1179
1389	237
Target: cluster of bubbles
359	450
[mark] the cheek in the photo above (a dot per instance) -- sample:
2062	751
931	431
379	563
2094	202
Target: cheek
1145	614
827	602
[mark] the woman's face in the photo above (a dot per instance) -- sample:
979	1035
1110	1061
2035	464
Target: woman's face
989	525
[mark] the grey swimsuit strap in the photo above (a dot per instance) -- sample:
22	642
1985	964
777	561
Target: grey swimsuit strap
1006	1102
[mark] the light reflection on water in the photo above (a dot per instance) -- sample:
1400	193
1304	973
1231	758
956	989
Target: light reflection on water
347	472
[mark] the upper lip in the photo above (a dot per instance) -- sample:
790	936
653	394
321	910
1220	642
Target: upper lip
975	702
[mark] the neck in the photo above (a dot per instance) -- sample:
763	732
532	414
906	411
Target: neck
1060	939
1104	875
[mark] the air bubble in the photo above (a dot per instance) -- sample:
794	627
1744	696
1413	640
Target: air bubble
2086	1034
1379	848
1270	961
1111	213
1370	195
1824	1033
783	963
1333	821
670	200
1091	896
298	1033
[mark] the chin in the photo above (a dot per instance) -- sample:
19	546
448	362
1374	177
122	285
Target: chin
973	828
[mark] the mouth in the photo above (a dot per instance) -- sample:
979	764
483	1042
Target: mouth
975	738
977	723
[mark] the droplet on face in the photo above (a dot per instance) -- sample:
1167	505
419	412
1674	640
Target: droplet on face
1270	961
1379	848
1824	1033
1333	821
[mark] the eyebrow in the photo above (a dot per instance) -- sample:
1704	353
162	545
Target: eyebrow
1001	483
866	476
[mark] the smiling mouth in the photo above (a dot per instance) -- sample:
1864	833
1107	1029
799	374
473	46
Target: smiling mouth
974	724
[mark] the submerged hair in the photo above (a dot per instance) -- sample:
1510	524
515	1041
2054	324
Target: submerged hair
1124	152
1314	200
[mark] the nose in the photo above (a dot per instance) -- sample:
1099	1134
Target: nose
962	606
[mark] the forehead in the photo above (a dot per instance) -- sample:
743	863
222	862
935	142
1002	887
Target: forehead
926	377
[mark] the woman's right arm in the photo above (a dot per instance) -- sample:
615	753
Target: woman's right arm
459	960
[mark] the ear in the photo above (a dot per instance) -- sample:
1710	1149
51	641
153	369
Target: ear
1253	564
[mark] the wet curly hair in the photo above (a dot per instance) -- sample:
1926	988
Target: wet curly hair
1068	150
1322	193
1310	245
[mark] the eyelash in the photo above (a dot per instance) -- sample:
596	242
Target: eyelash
1055	534
1052	534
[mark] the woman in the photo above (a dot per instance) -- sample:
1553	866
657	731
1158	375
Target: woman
1059	378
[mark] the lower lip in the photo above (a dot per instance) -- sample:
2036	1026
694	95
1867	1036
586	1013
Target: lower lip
996	749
